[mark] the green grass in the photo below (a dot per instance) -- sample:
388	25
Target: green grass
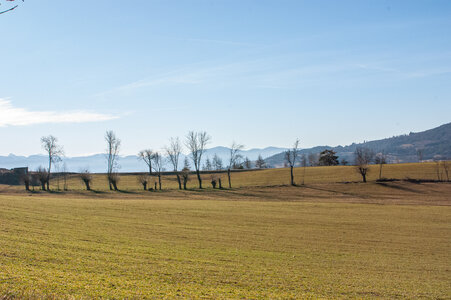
332	241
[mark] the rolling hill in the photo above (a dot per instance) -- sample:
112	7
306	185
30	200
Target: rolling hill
433	144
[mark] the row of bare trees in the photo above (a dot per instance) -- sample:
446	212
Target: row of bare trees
196	143
363	158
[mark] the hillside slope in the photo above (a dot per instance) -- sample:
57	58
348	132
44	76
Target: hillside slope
433	143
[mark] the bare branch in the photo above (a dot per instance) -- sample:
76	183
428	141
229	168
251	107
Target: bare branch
363	157
147	155
112	153
291	157
196	143
54	152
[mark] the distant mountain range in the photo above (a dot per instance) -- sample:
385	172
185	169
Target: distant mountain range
96	163
433	143
426	145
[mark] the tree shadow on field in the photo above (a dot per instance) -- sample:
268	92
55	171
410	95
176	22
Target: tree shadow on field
397	187
365	196
97	192
126	192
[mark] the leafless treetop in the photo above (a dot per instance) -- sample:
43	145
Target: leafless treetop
173	151
146	155
235	154
50	145
112	151
157	162
196	143
291	155
363	156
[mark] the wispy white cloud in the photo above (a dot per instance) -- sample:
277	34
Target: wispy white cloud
16	116
285	72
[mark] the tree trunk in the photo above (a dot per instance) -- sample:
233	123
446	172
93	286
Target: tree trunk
145	186
199	178
48	175
220	183
380	172
43	185
184	184
292	175
88	188
27	186
115	186
159	180
364	177
228	175
179	181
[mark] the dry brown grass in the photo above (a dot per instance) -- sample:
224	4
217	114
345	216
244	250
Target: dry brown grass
269	177
317	241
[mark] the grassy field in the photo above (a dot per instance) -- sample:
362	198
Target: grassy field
269	177
375	240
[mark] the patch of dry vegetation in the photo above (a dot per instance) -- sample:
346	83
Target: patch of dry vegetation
266	177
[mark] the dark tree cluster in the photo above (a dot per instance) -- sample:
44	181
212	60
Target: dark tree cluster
328	158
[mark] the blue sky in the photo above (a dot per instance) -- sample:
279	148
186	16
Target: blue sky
258	72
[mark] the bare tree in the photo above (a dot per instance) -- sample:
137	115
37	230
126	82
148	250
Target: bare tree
54	152
363	157
86	177
14	6
313	159
185	173
247	163
291	156
196	143
217	162
158	166
214	181
112	155
260	162
146	155
380	159
144	180
26	180
34	179
235	156
173	152
42	176
114	180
